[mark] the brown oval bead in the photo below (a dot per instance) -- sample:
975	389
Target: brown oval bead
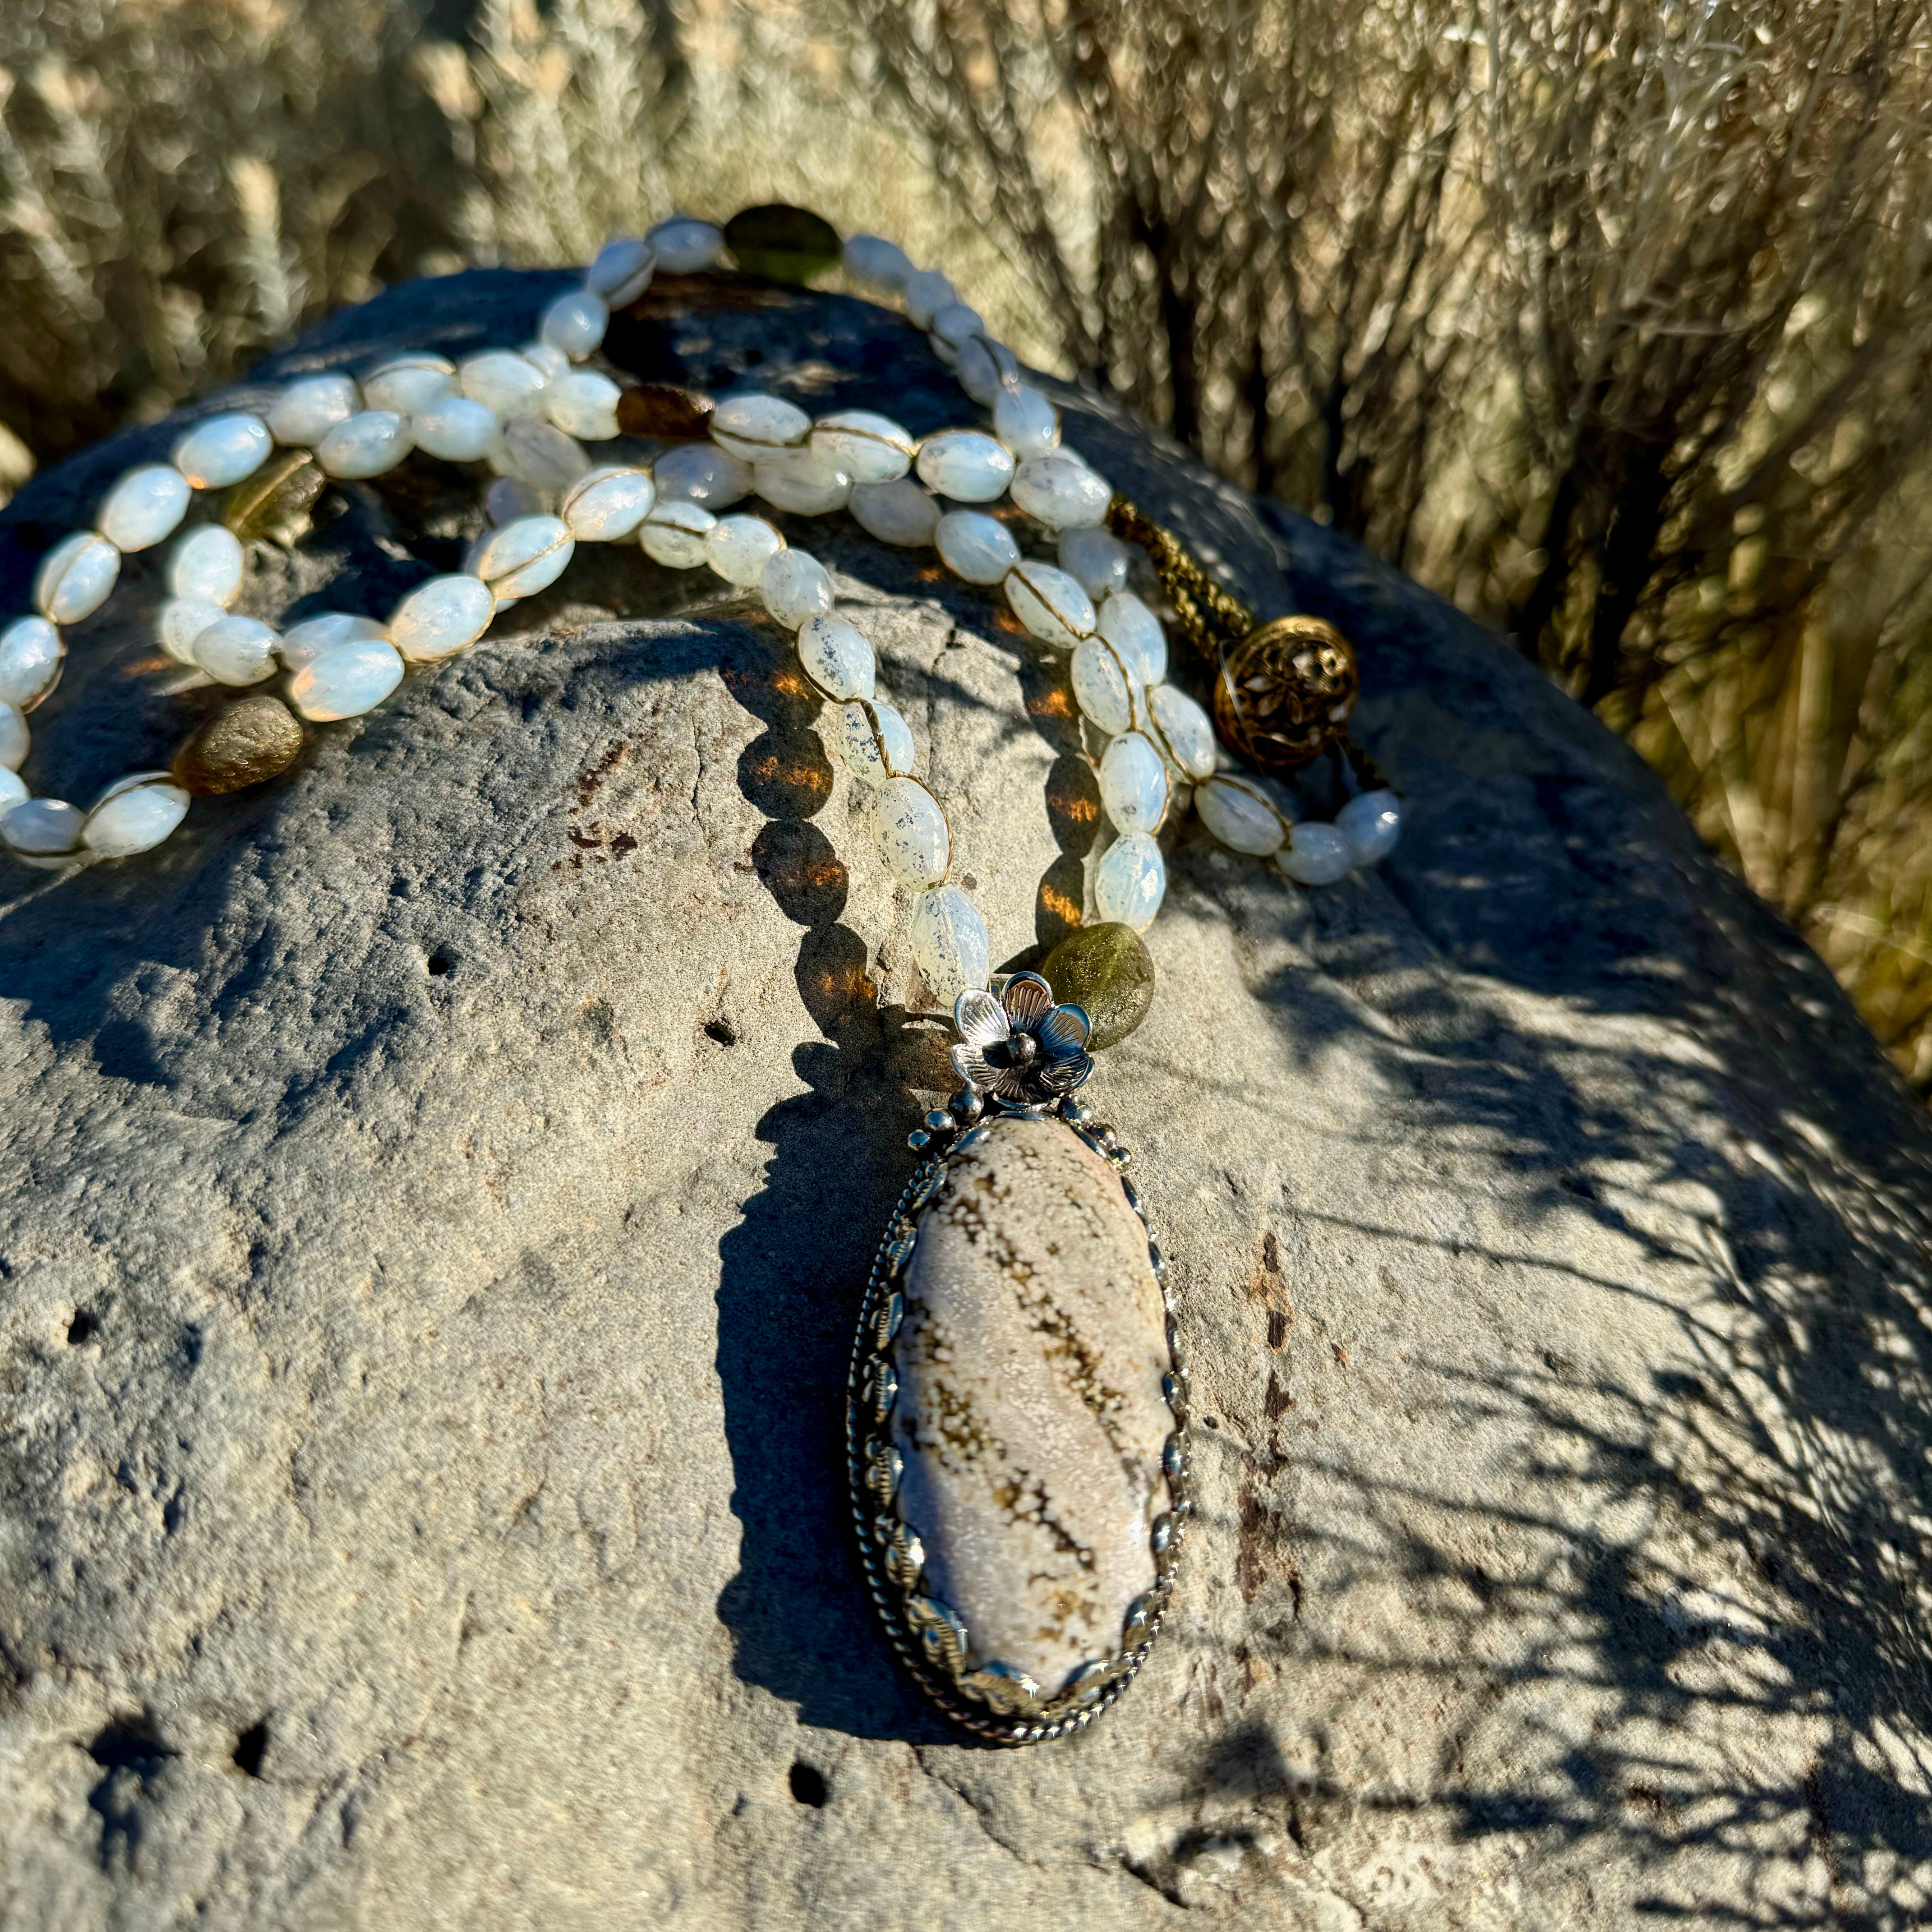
787	243
665	409
1107	970
242	744
1286	692
275	503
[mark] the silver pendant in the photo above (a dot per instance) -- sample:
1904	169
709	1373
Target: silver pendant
1016	1411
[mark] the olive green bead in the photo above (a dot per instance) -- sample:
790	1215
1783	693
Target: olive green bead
242	744
789	245
274	503
1108	970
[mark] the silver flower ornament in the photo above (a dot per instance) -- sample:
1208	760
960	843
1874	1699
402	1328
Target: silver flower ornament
1021	1048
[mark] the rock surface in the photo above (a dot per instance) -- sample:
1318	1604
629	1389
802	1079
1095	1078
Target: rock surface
1030	1410
440	1183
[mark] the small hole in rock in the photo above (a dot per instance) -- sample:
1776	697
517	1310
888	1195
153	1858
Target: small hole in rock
808	1784
1210	1422
250	1747
722	1031
85	1326
442	961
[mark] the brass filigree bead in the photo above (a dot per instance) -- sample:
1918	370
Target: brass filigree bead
1286	692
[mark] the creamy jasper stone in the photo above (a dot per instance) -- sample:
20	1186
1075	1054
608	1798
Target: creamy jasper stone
1030	1413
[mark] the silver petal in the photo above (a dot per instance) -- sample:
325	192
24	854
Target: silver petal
1028	997
980	1073
1062	1076
1064	1030
980	1017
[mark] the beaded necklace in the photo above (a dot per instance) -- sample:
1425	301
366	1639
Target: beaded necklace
994	1545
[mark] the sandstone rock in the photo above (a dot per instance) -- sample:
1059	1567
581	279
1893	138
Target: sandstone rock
1029	1412
441	1181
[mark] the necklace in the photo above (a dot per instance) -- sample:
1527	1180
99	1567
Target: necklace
1016	1409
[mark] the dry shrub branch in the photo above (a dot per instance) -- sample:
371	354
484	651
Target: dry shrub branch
1611	320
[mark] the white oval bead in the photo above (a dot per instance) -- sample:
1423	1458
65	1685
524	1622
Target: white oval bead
1371	824
542	455
796	480
738	548
837	657
209	563
552	363
965	465
523	557
134	817
1050	604
1315	854
867	448
926	293
311	407
608	504
975	546
948	940
955	323
508	500
575	323
329	630
13	789
346	681
440	618
1239	814
910	832
43	827
458	429
796	588
985	369
1133	784
1135	631
620	272
182	619
584	403
674	532
756	426
899	512
369	444
502	380
236	650
15	738
1130	881
1100	560
410	384
683	244
76	577
1105	690
701	472
1186	728
1025	421
224	449
31	655
146	505
1060	490
875	742
873	259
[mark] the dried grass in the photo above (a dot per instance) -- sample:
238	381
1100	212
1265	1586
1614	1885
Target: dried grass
1612	321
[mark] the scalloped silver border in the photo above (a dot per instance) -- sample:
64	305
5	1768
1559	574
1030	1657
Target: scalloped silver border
869	1453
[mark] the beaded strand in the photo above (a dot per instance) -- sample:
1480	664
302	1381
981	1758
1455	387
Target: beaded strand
527	413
